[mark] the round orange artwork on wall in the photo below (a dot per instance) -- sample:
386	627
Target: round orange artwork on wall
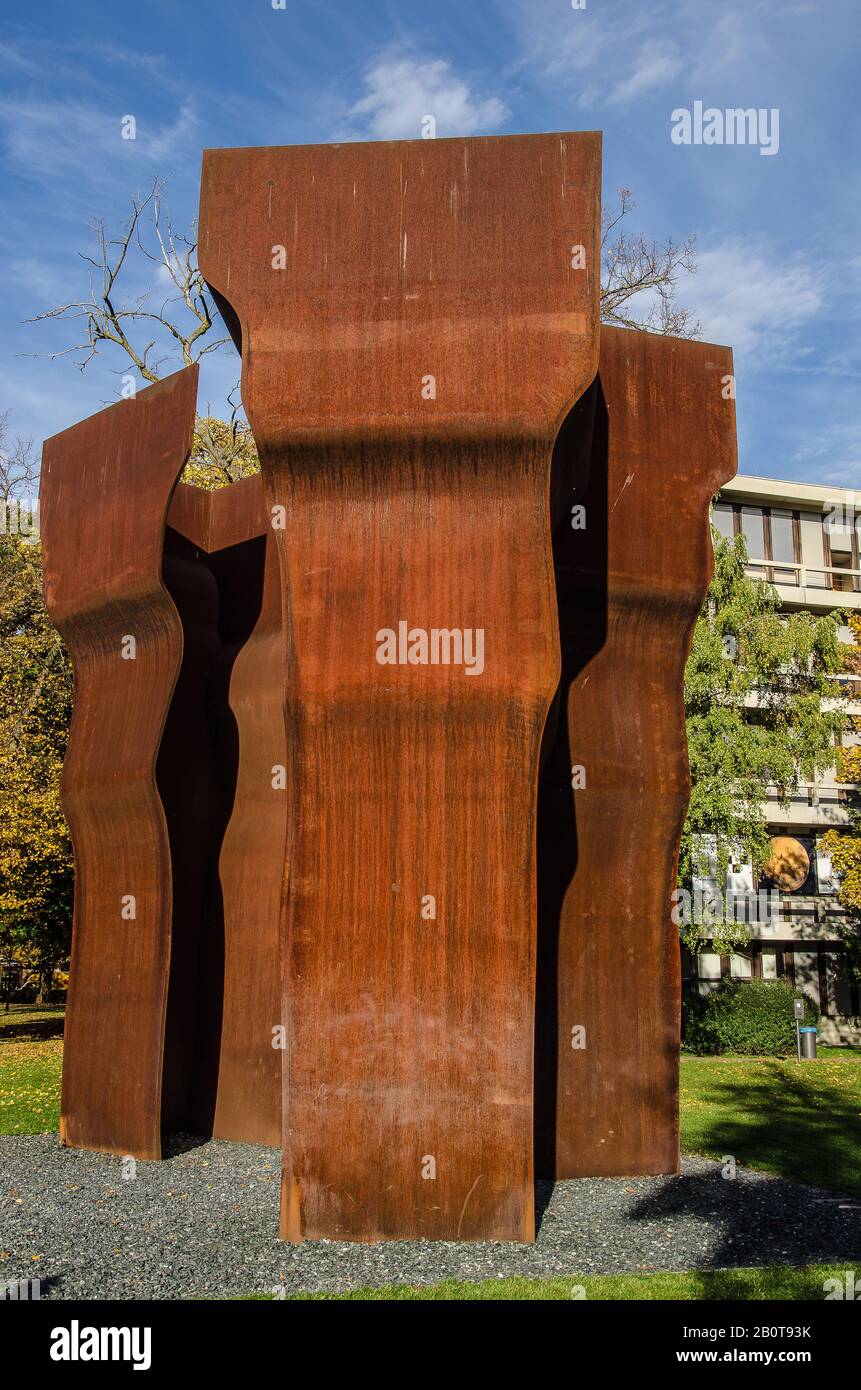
788	864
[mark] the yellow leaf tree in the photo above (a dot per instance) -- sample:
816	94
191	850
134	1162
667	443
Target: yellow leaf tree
844	846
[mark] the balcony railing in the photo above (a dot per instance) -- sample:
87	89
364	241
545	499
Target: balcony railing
800	576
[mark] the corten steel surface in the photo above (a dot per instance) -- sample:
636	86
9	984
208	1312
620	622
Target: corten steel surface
630	587
106	484
410	1040
236	1072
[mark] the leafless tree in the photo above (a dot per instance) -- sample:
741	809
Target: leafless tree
144	328
185	315
633	266
19	466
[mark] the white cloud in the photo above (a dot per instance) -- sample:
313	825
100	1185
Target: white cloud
611	56
655	65
162	143
610	60
84	144
754	300
402	90
12	57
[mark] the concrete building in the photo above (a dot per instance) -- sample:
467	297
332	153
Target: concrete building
804	539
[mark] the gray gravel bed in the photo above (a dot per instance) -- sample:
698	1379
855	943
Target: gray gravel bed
205	1223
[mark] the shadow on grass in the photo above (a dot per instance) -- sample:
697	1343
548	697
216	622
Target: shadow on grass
779	1117
775	1283
34	1029
755	1220
785	1120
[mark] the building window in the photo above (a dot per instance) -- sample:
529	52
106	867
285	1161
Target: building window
839	991
782	546
741	967
753	530
770	533
709	967
840	546
723	520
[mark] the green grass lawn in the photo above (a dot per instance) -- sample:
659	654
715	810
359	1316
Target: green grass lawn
31	1056
30	1086
801	1120
719	1284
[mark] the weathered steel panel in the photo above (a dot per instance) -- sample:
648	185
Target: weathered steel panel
414	328
106	485
630	585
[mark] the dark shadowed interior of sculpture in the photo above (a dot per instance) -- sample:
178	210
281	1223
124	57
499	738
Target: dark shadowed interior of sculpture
226	817
218	597
578	479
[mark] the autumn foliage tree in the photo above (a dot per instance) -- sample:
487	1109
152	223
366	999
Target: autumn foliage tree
36	868
35	706
844	846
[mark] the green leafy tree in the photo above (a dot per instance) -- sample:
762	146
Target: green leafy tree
761	715
35	704
222	452
844	846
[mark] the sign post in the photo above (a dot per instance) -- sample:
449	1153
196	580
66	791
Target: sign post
799	1015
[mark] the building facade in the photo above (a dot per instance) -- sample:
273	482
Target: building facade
805	539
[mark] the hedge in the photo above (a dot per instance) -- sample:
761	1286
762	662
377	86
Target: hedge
750	1018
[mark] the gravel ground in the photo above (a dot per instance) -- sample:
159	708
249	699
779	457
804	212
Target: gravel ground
204	1223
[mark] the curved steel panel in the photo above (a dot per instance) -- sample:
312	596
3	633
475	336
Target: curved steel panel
413	331
630	587
106	484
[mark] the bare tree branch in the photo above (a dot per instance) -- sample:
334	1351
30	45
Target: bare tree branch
632	266
19	466
147	336
108	319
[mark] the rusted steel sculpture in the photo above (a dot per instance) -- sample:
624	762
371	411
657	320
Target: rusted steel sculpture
416	318
615	789
106	485
400	766
155	597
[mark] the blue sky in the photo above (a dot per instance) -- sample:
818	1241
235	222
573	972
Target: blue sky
779	248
